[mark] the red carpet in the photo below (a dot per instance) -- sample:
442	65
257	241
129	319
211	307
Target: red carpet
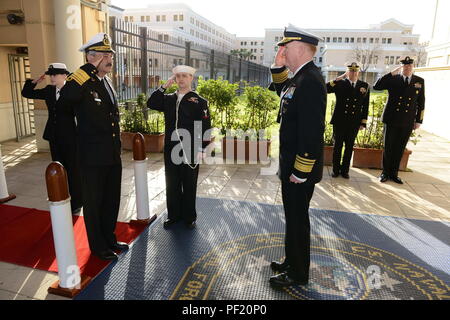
26	239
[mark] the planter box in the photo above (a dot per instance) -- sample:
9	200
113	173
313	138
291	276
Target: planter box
153	142
373	158
328	155
246	150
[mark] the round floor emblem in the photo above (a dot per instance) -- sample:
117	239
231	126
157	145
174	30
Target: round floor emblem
340	270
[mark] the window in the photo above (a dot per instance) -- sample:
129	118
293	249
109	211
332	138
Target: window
358	40
321	49
377	40
126	18
181	17
147	18
371	40
389	40
339	39
142	19
262	50
163	18
334	39
158	18
156	63
131	19
364	40
375	60
328	39
192	20
262	43
383	40
397	60
352	40
386	60
320	59
175	17
347	40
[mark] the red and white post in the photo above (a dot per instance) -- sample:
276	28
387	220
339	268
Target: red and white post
70	281
140	180
4	195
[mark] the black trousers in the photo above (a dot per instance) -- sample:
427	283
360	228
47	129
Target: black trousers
181	190
395	141
101	202
343	134
67	154
296	199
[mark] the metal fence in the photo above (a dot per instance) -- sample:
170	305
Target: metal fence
145	57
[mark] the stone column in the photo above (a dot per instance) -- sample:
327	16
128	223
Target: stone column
68	33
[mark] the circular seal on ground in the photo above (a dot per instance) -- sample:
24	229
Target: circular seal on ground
340	270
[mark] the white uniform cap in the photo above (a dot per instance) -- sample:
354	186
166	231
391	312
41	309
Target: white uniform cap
184	69
101	42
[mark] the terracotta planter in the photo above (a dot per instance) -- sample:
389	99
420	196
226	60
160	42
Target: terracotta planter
153	142
246	150
328	155
373	158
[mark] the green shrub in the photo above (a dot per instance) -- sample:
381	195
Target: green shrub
136	117
222	99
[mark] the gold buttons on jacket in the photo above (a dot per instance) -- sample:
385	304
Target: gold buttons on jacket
114	135
401	97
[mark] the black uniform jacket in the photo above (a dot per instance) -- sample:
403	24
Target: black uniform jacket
61	124
193	113
406	103
97	116
352	103
302	116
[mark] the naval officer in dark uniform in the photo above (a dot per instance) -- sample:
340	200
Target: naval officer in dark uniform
302	117
60	129
402	114
187	134
91	93
349	116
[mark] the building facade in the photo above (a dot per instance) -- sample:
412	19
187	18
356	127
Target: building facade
377	49
254	45
33	34
437	73
178	21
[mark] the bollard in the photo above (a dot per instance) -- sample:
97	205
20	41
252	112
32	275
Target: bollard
140	180
70	282
4	195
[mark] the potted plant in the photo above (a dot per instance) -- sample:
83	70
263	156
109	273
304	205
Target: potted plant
328	138
368	152
136	117
255	118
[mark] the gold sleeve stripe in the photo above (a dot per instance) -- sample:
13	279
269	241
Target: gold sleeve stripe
364	121
280	77
305	160
303	168
421	115
80	76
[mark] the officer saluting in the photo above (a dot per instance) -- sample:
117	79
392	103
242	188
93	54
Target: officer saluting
90	92
403	112
187	134
60	130
302	117
349	116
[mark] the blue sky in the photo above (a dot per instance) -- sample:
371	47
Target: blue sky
250	17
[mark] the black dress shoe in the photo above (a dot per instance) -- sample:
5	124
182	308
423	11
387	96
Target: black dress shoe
283	280
120	246
345	175
279	267
169	222
397	180
108	255
190	225
384	177
335	175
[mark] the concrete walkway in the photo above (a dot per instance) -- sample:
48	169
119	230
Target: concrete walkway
425	194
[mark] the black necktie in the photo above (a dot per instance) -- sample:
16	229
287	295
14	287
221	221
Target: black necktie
108	89
407	81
